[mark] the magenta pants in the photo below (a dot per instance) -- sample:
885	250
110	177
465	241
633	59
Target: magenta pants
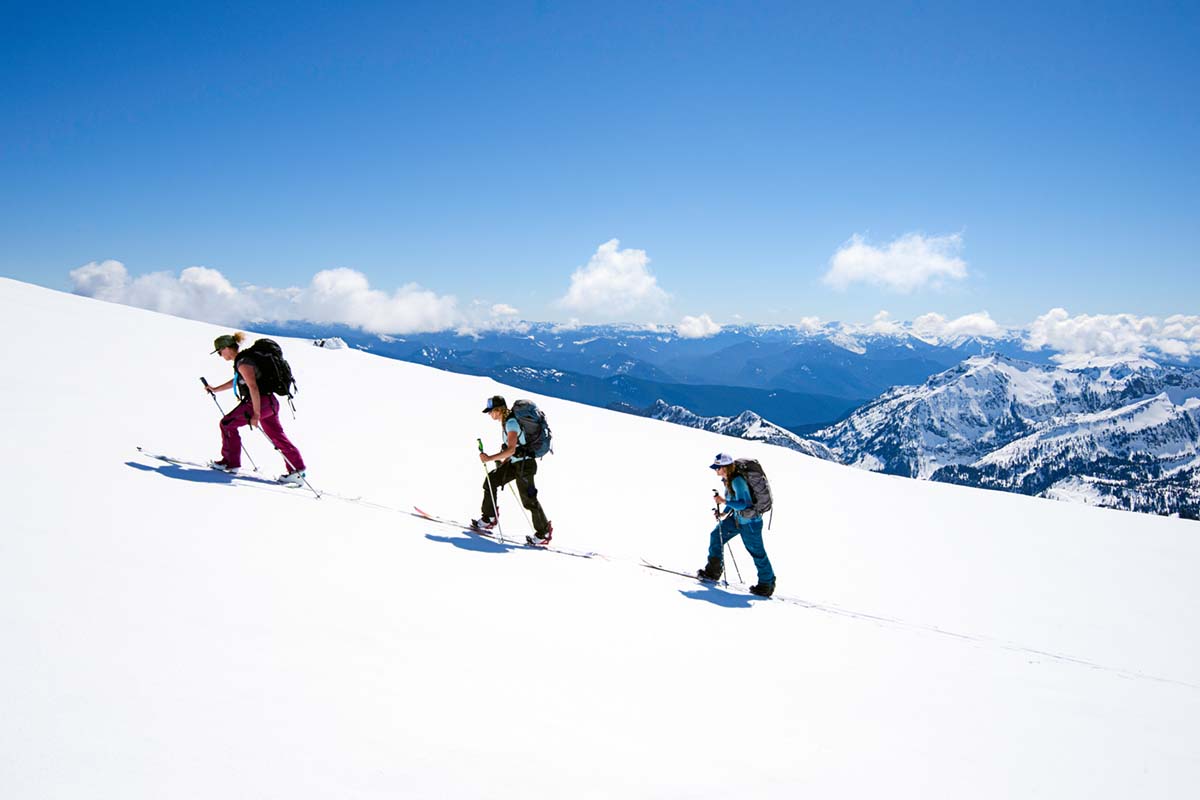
231	439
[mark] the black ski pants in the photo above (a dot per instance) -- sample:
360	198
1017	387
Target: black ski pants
522	472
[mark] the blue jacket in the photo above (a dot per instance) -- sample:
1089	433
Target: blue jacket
737	497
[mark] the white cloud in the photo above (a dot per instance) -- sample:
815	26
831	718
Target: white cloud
1115	334
345	296
103	280
883	323
614	283
935	326
333	296
911	262
198	292
573	324
483	315
700	327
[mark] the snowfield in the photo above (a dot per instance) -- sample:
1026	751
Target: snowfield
169	633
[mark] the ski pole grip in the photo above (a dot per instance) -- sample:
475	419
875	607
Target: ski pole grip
204	380
480	443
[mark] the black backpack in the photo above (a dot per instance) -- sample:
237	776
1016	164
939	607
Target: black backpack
534	426
760	487
273	373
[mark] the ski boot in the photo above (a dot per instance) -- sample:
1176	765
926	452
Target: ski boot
763	588
711	571
294	478
539	539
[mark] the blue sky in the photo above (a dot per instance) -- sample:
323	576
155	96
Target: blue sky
1006	160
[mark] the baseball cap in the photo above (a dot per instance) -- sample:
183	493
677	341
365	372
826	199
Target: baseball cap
721	460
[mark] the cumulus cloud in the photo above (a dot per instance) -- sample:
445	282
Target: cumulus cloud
882	323
911	262
345	296
809	324
573	324
336	296
483	316
197	293
1086	335
700	327
935	326
103	280
613	283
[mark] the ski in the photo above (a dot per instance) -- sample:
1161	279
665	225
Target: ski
705	581
250	476
494	536
661	568
453	523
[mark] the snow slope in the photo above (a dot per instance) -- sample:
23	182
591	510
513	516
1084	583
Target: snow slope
169	634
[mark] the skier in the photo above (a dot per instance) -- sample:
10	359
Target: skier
514	468
739	518
256	409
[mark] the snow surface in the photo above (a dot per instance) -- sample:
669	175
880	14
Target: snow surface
169	634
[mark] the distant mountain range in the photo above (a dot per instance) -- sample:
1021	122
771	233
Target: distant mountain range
801	379
973	411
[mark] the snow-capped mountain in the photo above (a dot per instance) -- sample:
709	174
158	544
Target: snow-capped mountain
1119	433
746	425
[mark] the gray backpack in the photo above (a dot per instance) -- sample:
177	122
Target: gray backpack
760	487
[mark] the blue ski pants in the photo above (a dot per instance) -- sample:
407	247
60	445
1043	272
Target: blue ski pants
751	532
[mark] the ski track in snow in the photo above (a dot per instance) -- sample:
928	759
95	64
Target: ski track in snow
825	608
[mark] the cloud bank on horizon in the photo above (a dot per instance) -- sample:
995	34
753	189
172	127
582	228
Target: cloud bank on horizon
616	284
336	296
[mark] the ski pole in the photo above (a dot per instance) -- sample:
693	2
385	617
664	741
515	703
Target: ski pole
731	558
716	509
728	546
213	395
487	477
290	466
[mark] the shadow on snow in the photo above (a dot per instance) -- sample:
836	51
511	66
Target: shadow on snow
184	473
720	597
476	544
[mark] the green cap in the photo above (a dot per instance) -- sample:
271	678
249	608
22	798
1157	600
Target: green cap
221	342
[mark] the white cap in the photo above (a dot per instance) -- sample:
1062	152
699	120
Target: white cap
722	460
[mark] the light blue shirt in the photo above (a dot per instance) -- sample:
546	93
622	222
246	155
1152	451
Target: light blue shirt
511	424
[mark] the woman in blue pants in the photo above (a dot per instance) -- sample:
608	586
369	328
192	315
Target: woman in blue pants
740	520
